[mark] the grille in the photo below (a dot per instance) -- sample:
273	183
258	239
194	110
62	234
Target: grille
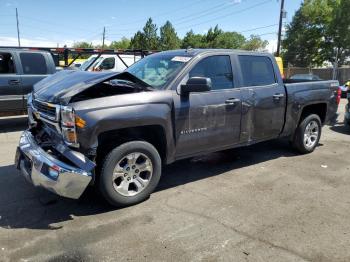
45	108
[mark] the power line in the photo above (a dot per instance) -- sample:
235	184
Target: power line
92	37
160	14
49	30
36	20
193	16
227	15
236	12
270	33
247	30
184	19
36	28
207	12
257	28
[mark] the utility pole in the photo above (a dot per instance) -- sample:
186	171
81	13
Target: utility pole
103	37
335	65
19	40
280	29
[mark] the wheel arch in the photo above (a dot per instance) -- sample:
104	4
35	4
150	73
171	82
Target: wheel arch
153	134
319	109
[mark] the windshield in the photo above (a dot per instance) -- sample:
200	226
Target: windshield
88	62
159	69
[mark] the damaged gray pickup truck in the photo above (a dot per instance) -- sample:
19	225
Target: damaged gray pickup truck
115	131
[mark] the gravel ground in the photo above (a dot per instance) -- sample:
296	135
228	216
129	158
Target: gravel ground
260	203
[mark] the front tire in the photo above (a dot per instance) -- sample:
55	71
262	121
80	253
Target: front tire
308	134
130	173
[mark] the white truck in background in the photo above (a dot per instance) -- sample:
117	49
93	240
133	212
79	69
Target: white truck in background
107	62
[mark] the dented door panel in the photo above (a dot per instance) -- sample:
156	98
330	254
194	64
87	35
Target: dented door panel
204	121
263	115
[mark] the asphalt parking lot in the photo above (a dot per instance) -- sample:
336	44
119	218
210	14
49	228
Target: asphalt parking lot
261	203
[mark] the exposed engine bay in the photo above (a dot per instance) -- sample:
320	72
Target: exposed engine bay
108	88
73	86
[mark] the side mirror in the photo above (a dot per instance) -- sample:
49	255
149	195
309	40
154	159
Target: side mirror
196	84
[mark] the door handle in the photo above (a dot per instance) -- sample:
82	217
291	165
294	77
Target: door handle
278	96
14	82
232	101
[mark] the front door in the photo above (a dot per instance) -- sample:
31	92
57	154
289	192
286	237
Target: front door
209	120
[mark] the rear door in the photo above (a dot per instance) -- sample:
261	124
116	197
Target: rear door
209	120
263	98
34	68
11	98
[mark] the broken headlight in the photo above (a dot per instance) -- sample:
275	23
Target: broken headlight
68	126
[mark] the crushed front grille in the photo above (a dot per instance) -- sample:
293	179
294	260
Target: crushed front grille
45	108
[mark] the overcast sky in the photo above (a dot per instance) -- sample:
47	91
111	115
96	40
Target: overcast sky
52	23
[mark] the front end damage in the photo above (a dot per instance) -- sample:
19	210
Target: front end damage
44	169
49	154
46	160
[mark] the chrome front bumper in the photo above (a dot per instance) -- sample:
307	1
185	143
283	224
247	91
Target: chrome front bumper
44	170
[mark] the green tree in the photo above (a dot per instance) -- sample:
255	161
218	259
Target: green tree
168	37
150	35
230	40
318	33
138	41
337	45
124	43
255	43
147	39
302	42
212	36
192	40
83	45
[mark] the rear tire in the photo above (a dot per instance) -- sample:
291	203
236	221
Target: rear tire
130	173
308	134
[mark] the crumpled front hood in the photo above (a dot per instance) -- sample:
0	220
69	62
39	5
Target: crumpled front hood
60	87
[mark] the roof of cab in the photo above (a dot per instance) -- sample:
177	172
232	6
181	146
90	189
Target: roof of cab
9	49
197	51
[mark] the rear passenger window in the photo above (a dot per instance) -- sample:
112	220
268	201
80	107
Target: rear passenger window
217	68
257	70
7	65
33	64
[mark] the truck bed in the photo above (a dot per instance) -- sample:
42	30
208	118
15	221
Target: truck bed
299	93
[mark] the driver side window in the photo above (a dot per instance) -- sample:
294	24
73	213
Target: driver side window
217	68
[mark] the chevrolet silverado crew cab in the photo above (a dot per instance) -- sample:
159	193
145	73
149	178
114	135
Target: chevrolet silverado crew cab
19	70
116	131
